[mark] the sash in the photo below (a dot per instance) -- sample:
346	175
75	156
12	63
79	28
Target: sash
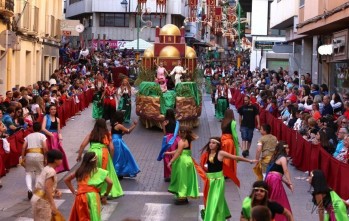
340	210
270	165
165	146
48	122
246	208
235	137
83	188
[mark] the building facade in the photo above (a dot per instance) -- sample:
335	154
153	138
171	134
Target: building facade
264	37
36	24
317	32
111	20
6	14
326	23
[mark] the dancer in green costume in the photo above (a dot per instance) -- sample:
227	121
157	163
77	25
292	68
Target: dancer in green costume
125	92
87	204
100	143
97	106
222	103
184	181
216	206
326	199
259	197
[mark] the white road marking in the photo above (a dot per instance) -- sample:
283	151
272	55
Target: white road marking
140	193
155	212
107	210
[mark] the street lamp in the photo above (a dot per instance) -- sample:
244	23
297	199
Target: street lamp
124	4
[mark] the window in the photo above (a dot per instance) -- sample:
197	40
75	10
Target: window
301	3
114	20
155	19
74	1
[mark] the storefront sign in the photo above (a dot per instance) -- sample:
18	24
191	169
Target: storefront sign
113	44
325	49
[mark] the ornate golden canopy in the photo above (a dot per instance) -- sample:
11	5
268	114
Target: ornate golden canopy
149	52
169	52
190	52
170	30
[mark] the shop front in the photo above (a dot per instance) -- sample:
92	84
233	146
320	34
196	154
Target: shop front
339	64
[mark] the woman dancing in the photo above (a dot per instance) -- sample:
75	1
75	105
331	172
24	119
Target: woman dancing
100	143
276	170
184	181
87	204
216	206
110	102
327	199
51	127
125	92
124	162
230	143
170	128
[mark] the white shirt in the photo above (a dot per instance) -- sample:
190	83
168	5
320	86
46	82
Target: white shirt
35	140
179	70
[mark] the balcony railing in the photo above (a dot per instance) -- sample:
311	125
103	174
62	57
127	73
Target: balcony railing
7	7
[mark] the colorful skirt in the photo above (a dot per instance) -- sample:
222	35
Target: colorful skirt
54	144
104	161
97	110
124	162
228	146
221	106
184	180
87	206
125	105
109	108
277	193
208	85
167	158
216	207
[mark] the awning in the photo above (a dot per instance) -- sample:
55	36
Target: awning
202	44
133	44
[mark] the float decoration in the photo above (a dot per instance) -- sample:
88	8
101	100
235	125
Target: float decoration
151	104
161	4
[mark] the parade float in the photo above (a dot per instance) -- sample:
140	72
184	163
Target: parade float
151	102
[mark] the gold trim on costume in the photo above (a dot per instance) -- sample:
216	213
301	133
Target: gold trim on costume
35	150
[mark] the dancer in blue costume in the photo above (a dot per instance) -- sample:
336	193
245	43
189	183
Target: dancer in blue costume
124	162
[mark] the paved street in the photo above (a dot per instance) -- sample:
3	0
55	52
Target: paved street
146	196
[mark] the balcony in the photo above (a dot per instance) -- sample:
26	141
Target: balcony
283	13
7	8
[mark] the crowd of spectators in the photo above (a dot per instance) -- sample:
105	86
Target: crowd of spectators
319	116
